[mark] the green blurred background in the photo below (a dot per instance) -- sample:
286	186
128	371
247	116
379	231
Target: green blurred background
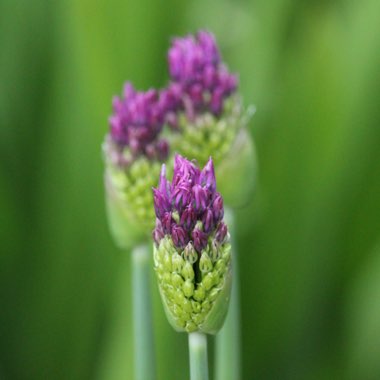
309	242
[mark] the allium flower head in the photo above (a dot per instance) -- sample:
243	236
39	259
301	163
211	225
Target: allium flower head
207	113
191	247
135	125
134	151
195	64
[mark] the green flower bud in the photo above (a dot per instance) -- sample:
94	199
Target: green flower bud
192	251
188	288
129	201
195	304
205	264
188	271
177	280
177	262
190	254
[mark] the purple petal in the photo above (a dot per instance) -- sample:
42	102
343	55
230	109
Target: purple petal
208	220
179	236
200	196
221	232
188	218
217	208
161	204
207	176
167	222
158	232
199	239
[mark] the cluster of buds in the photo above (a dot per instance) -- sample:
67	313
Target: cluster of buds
136	124
191	248
195	66
134	151
206	109
208	114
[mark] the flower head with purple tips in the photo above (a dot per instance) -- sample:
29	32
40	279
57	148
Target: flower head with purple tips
189	209
134	150
196	68
192	251
136	124
201	100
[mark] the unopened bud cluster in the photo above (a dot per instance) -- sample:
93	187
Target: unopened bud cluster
196	68
209	111
135	126
192	250
134	151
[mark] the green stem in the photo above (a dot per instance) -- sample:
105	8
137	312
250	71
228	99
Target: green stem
198	356
228	350
145	368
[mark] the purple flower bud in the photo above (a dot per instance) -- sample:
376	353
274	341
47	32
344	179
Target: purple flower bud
201	196
207	176
185	172
179	236
158	232
217	208
161	195
128	91
170	97
221	232
182	195
210	77
161	205
117	129
216	102
196	95
174	58
227	81
167	222
208	43
199	239
188	218
208	220
164	184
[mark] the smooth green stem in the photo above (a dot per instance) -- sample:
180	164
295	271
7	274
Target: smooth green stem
198	356
145	366
228	340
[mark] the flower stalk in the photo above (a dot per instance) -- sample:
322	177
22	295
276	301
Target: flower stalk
198	356
145	366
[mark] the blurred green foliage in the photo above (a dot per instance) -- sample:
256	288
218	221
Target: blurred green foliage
308	242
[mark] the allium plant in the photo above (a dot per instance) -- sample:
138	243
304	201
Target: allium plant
211	120
209	115
192	252
134	150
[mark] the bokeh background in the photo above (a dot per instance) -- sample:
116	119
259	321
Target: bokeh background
309	241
